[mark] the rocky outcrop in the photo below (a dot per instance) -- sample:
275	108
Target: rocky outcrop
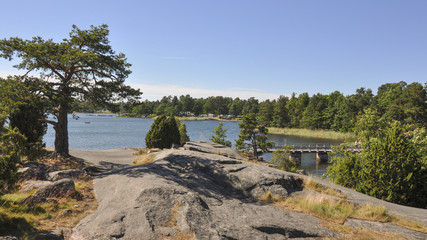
213	148
206	195
34	171
70	173
209	195
60	189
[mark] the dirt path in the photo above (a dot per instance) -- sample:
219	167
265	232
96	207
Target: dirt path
99	158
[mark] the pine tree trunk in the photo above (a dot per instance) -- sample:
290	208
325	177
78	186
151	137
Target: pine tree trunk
61	133
255	147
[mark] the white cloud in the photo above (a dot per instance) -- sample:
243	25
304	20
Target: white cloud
156	92
4	74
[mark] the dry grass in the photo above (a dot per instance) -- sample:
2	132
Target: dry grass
372	213
61	163
320	206
403	222
337	211
144	156
310	184
182	236
270	198
144	159
360	233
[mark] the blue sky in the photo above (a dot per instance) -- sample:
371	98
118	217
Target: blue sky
243	48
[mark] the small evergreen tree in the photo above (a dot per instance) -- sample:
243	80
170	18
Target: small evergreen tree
220	135
156	135
183	133
252	131
163	133
172	132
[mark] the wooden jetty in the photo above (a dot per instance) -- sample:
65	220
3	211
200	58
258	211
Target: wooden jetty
321	150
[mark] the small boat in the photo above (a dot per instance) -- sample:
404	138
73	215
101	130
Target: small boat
87	122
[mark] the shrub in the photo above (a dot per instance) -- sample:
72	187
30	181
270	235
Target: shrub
389	167
11	142
283	159
163	133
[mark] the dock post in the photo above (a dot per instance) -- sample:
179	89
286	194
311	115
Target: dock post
322	157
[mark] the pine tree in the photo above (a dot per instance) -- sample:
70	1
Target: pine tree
252	131
220	135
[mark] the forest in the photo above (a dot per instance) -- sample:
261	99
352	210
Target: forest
406	103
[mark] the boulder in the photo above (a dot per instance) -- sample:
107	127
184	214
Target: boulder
213	148
30	185
60	189
34	171
70	173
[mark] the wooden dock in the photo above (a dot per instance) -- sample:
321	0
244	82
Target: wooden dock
308	148
321	150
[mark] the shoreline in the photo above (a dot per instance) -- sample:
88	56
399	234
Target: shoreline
302	132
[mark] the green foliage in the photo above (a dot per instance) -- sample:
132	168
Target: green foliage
83	67
220	135
334	111
313	116
346	166
252	131
266	112
24	111
163	133
419	138
388	167
283	159
369	125
402	102
281	118
393	171
183	132
11	142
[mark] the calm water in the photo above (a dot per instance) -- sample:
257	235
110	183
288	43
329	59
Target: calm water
92	132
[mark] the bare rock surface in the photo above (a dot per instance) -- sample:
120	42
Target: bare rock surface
30	185
214	148
194	191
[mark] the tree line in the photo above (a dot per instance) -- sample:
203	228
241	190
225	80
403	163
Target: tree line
406	103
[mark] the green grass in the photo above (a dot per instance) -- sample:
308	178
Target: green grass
311	133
